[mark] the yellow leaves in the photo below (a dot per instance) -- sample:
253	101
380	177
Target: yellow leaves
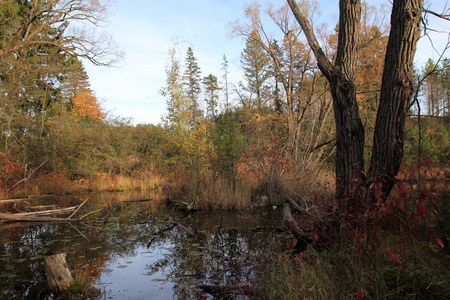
86	106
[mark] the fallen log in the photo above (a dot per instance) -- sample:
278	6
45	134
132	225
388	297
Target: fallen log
14	218
58	274
48	212
138	200
13	200
303	238
39	207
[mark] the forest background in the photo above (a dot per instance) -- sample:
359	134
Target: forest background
219	141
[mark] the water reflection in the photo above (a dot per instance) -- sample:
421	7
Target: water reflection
133	250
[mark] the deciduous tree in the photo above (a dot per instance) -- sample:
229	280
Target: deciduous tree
85	107
32	24
396	91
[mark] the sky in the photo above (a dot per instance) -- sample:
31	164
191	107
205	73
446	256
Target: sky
146	29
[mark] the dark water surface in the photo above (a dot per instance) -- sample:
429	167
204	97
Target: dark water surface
134	250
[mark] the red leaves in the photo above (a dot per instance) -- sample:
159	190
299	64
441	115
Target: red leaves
400	206
316	238
360	294
11	171
392	255
440	243
421	209
403	188
378	193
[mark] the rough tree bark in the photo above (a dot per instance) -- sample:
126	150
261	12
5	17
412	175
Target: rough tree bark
341	75
396	91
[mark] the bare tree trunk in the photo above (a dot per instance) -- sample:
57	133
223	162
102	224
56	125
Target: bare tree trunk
396	91
349	128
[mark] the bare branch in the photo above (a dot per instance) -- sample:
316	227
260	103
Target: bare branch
323	62
69	25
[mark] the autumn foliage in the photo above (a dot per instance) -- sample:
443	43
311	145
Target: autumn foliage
86	106
11	171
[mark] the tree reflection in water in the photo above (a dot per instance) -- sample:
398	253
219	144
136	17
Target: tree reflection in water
223	251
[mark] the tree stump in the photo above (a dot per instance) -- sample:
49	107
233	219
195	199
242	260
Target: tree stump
58	274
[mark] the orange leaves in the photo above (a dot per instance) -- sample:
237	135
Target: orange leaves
86	106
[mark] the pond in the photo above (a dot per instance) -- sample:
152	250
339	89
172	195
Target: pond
135	249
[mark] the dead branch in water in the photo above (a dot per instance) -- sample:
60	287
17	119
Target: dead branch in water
37	216
78	208
14	218
13	200
47	212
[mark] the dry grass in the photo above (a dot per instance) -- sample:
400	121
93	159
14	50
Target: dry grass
59	183
218	193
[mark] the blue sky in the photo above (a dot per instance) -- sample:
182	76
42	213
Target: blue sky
145	29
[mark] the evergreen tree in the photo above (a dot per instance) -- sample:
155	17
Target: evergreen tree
191	82
437	88
225	79
256	62
211	87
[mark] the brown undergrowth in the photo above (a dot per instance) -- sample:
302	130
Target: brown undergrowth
397	249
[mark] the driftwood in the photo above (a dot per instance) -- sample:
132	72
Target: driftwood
13	200
58	274
37	216
47	212
14	218
39	207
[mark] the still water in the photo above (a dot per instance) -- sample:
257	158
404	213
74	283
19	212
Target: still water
135	250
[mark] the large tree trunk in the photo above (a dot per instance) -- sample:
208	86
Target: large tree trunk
396	91
349	128
341	75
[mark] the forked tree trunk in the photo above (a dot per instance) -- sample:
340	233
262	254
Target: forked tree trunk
396	91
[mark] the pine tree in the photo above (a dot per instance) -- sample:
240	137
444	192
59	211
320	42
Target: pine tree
191	82
255	62
211	87
437	88
225	79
